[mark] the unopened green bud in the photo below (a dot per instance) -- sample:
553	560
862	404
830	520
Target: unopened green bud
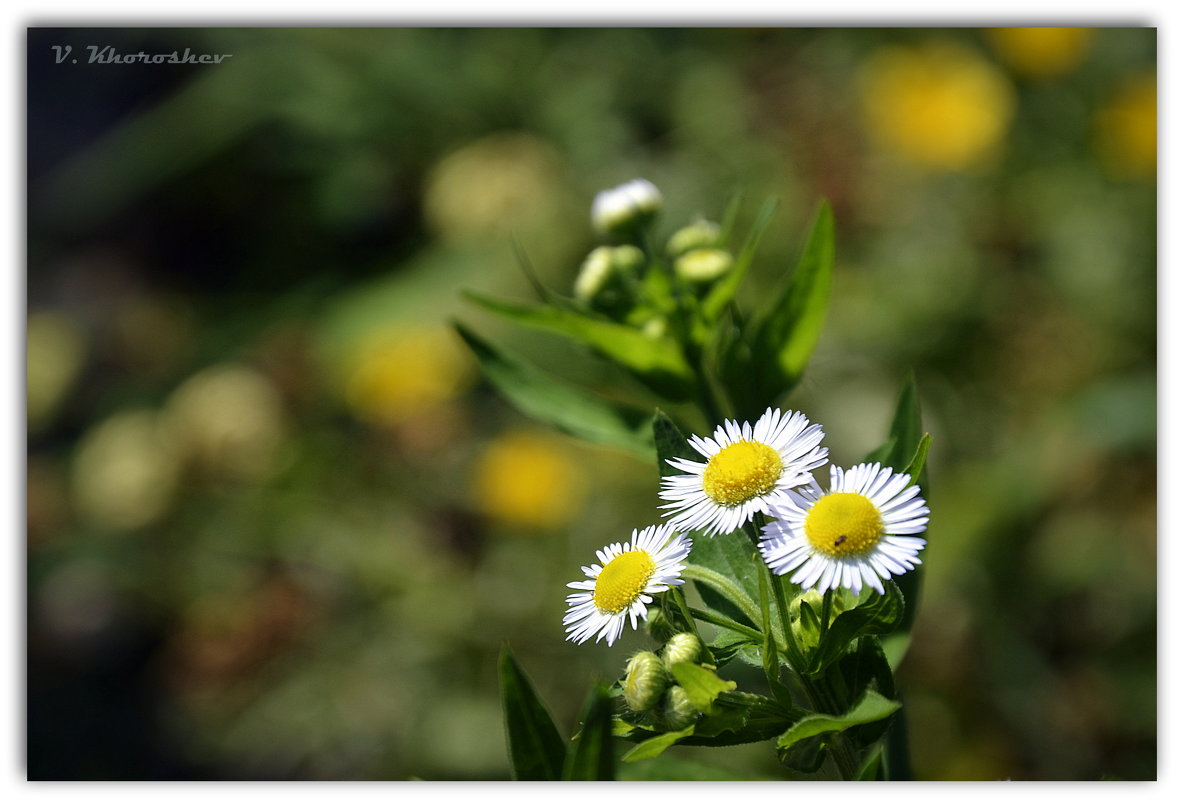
604	267
677	709
697	235
701	266
645	681
627	258
658	626
627	207
595	273
682	647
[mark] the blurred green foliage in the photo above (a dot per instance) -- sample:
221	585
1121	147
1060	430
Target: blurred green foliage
278	527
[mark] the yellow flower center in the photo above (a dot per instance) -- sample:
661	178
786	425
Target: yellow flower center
622	581
844	524
740	472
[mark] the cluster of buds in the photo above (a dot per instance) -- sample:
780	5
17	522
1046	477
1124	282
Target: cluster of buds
612	277
649	685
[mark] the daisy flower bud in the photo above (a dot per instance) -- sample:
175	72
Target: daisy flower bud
677	709
625	207
682	647
645	681
696	236
701	266
603	268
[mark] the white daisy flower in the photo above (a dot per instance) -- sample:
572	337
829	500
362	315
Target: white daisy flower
619	587
857	533
747	468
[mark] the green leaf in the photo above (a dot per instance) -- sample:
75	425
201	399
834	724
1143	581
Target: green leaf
877	614
916	465
870	707
654	746
568	408
738	718
657	362
908	452
865	667
790	330
534	744
804	757
872	768
768	355
725	289
810	625
703	686
591	757
669	443
906	428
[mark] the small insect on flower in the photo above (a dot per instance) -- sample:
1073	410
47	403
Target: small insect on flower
621	584
747	468
857	533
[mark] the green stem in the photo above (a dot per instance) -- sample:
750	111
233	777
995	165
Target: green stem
724	586
784	600
707	617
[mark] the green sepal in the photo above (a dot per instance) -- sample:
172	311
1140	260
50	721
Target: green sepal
591	754
568	408
534	744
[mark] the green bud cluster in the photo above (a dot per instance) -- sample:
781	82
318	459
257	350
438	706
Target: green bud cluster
649	685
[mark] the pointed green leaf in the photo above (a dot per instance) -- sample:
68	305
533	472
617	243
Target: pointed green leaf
591	757
669	443
872	768
654	746
875	614
906	427
725	289
568	408
908	452
804	757
788	331
658	362
870	707
534	743
916	465
703	686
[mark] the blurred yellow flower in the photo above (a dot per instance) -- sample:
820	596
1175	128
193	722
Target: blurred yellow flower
228	419
55	354
398	374
1126	129
125	470
1041	52
530	479
940	106
493	187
